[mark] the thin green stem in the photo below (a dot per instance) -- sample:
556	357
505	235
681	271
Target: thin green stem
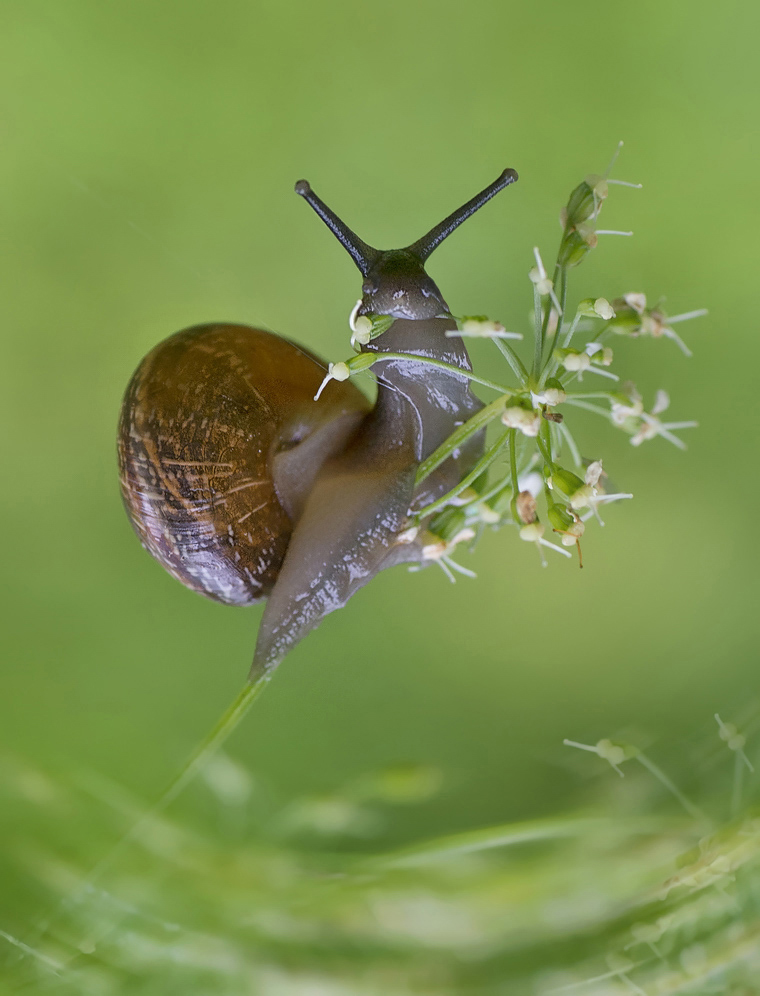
517	365
738	785
560	276
219	733
513	470
592	394
478	421
571	331
661	777
483	464
441	365
571	445
587	406
211	743
545	432
539	331
544	448
227	723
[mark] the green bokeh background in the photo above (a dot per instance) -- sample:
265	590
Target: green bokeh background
149	154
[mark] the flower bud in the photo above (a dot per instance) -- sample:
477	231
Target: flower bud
576	490
480	326
585	201
359	363
588	233
573	248
598	307
559	517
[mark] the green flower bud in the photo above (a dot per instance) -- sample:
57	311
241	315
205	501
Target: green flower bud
357	364
573	248
559	517
566	481
584	201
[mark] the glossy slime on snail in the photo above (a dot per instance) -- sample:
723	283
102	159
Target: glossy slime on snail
245	488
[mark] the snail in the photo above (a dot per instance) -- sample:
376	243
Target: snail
244	487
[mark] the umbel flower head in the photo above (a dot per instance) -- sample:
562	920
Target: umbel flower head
533	473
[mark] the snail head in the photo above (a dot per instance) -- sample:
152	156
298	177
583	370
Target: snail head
395	282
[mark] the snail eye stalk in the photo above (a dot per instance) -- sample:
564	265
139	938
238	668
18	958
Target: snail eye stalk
362	254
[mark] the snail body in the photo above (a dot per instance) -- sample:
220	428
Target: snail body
244	487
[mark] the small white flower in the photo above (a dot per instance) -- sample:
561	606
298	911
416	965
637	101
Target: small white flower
594	472
614	754
551	396
604	309
486	514
573	533
408	535
734	740
543	284
352	316
532	481
593	476
440	550
582	498
577	362
339	371
481	327
655	323
362	331
652	426
527	421
534	533
636	301
621	412
335	371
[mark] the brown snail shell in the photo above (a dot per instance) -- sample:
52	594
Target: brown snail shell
214	420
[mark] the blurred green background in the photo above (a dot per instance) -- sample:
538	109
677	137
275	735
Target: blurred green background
149	154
